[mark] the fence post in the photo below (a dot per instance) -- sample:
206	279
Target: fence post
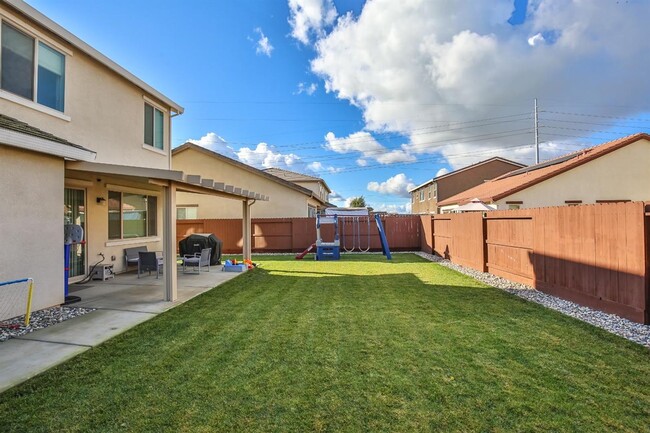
484	259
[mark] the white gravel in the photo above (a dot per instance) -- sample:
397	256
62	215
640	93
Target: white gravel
39	319
633	331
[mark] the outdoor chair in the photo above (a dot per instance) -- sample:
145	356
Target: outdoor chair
197	261
147	261
131	256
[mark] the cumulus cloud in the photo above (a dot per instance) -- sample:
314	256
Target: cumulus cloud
536	39
263	45
308	89
310	17
335	197
441	172
397	185
411	65
393	208
216	144
364	143
317	167
264	156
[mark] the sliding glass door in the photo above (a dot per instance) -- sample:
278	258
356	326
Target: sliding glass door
75	213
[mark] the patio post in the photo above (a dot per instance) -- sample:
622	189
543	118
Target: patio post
169	242
246	230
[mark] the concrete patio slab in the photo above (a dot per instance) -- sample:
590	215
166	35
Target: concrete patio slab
23	359
121	303
90	329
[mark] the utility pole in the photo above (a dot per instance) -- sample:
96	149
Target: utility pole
536	135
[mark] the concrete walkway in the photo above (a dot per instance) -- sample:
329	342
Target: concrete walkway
121	303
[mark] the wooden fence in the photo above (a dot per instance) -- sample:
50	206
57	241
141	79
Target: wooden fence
296	234
595	255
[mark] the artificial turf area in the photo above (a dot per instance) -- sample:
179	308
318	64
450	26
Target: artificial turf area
361	345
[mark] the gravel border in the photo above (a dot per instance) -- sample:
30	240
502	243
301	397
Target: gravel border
39	319
632	331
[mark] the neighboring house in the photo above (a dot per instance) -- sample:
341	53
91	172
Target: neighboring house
315	184
80	134
426	198
615	171
286	199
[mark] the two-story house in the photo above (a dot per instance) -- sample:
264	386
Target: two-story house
82	141
317	185
425	198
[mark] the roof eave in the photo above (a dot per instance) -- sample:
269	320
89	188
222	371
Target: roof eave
42	145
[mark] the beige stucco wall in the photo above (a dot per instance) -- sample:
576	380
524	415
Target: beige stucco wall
283	201
621	175
97	216
31	222
106	111
316	187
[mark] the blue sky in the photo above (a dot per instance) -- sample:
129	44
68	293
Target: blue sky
378	97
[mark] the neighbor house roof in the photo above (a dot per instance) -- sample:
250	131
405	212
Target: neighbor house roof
293	176
241	165
64	34
461	170
523	178
19	134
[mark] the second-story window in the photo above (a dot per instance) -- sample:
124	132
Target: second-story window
23	58
153	126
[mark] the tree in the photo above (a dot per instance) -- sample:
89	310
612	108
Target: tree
358	202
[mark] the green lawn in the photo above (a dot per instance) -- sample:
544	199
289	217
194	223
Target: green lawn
362	345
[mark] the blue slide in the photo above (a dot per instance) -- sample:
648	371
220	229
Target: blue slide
382	236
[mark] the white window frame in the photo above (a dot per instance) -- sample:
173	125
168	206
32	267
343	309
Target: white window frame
421	195
435	190
122	240
32	103
165	113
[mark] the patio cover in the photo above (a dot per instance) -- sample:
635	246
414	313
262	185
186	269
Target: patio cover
475	205
172	181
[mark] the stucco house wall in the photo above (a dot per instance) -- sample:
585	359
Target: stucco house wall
31	222
283	201
623	174
103	110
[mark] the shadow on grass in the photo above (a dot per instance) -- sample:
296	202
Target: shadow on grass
276	350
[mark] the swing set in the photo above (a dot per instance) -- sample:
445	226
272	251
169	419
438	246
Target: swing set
350	220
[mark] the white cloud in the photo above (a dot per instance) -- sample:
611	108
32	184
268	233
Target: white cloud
215	143
264	156
263	46
397	185
393	208
318	167
364	143
536	39
309	17
335	196
441	172
308	89
411	64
